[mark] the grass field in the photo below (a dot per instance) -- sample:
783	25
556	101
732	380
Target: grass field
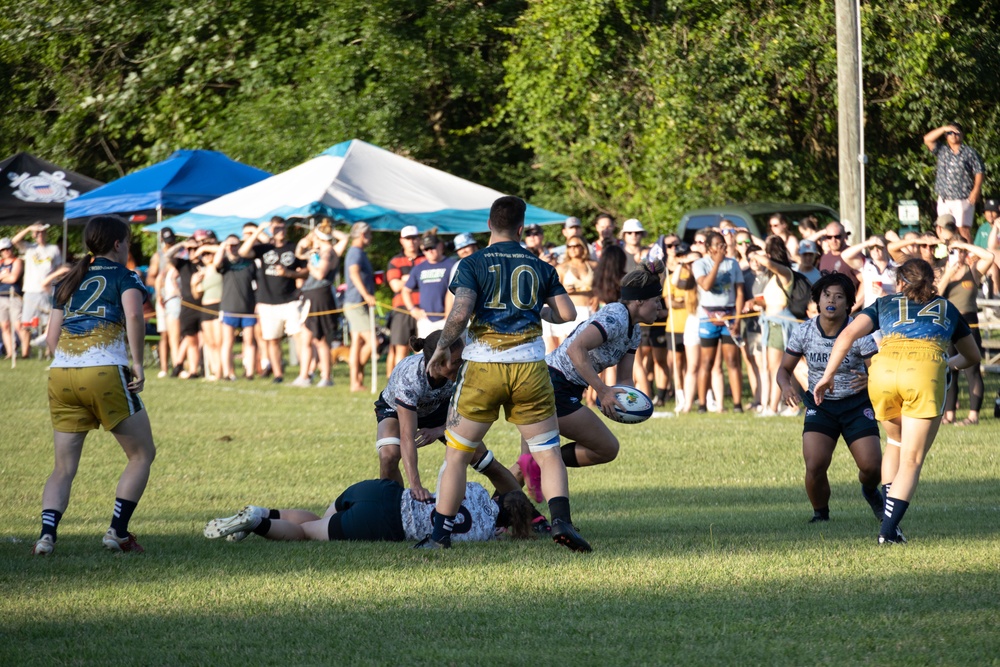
702	550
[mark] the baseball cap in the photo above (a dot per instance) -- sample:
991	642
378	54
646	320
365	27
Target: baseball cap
464	241
532	229
409	231
806	246
572	222
945	220
199	235
5	243
359	229
991	205
429	241
632	225
167	235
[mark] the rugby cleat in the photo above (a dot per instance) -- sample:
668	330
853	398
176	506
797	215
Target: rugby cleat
565	534
43	546
429	543
125	544
244	521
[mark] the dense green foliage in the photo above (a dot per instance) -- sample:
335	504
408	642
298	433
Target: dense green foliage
641	108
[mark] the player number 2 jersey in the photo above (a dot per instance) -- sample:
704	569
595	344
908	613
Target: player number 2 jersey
93	329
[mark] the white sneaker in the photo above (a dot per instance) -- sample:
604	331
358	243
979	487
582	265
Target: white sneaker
38	341
712	403
43	546
325	383
301	382
245	521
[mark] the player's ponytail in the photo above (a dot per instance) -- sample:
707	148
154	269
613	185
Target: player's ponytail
643	282
916	279
517	515
99	237
429	344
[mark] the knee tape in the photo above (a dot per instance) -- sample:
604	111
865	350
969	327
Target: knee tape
455	441
543	441
382	442
485	462
894	443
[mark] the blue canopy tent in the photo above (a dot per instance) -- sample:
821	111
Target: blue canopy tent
182	181
355	181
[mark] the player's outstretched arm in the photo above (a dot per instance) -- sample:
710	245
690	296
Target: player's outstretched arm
454	326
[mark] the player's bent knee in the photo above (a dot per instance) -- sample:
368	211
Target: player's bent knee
543	441
455	441
385	442
482	464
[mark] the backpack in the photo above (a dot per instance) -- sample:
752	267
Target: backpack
799	295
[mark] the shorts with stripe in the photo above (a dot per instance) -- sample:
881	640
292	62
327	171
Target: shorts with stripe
435	419
909	383
522	389
852	417
569	395
81	399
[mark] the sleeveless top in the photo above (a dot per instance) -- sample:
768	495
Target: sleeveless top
962	292
211	286
13	289
584	283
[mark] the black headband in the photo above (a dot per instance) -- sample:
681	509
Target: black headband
649	291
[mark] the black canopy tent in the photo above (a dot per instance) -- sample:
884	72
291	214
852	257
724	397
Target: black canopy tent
36	190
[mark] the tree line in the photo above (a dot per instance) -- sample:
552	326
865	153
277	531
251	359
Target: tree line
641	109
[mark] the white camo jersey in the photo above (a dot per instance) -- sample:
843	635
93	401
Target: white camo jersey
409	387
620	338
809	340
475	521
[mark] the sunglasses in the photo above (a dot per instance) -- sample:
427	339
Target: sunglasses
840	236
574	245
744	242
669	245
533	234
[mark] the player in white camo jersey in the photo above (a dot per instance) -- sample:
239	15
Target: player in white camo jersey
609	338
847	410
412	409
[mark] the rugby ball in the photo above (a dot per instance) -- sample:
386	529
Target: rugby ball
638	407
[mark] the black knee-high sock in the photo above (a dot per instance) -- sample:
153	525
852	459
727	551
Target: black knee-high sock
559	509
274	514
122	515
568	452
50	523
442	527
894	511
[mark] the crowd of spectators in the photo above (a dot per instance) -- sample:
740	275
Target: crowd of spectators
733	298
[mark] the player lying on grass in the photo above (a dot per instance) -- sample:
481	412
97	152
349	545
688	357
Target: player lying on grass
608	338
847	410
381	510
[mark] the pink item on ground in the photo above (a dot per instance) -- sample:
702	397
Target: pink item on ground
532	477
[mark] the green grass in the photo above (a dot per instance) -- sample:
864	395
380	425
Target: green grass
702	550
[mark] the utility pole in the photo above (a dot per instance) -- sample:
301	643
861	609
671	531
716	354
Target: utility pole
849	117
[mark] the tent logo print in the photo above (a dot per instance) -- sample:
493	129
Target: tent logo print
45	188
